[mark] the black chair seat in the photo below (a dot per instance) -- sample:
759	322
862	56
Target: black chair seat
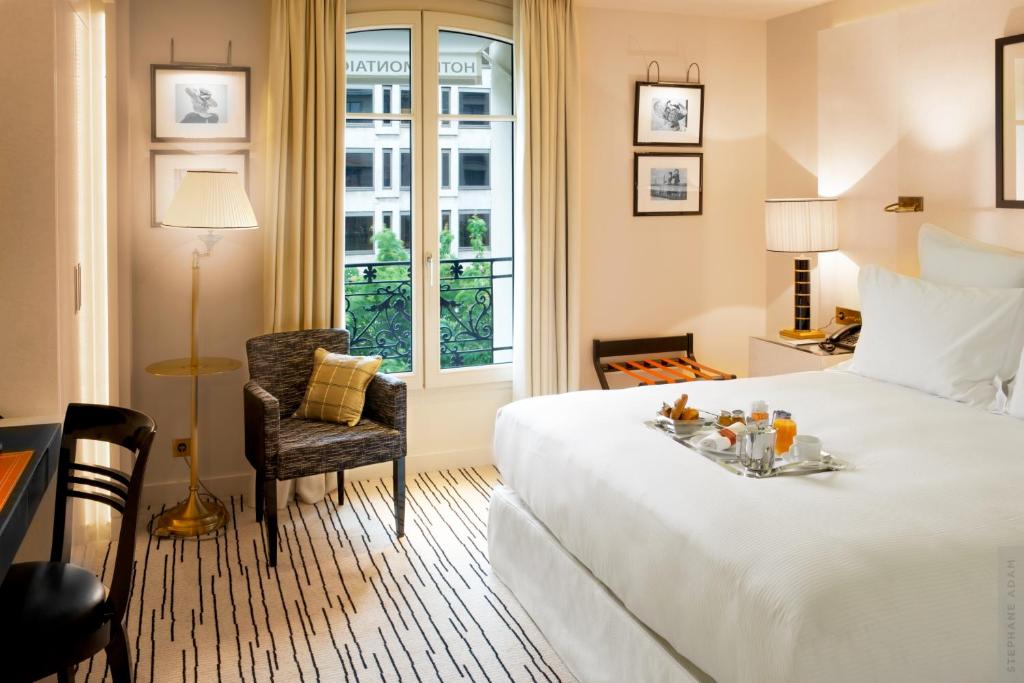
312	447
53	613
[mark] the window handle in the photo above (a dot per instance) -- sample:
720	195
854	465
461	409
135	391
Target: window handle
430	269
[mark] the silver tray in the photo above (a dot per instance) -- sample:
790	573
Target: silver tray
729	460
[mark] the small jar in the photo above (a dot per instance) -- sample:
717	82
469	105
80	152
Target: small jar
725	418
759	412
739	416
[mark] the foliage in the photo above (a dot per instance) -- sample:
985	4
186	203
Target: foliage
378	301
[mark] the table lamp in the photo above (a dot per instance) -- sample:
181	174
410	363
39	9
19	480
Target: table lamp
802	227
211	201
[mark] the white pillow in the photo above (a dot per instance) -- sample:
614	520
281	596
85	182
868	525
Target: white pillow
955	342
949	259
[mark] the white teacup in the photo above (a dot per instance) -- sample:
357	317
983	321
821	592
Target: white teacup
806	448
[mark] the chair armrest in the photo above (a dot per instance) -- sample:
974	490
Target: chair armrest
386	401
262	426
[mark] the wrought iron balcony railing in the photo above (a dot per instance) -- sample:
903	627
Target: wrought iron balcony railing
378	311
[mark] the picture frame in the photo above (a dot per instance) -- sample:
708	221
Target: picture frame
167	169
1010	122
668	114
190	103
668	184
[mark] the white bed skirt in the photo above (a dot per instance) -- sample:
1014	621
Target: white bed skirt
596	637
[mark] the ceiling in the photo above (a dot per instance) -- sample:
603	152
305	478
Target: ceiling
736	9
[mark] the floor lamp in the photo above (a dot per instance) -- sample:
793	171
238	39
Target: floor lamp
211	201
801	227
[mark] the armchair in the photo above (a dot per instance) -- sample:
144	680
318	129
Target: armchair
282	447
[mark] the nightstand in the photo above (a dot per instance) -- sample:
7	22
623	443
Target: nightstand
773	356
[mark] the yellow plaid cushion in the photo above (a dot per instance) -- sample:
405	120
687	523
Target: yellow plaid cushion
337	387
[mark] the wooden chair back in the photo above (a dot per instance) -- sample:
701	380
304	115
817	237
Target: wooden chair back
120	490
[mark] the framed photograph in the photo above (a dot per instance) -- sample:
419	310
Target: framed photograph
199	103
669	114
167	168
1010	122
666	184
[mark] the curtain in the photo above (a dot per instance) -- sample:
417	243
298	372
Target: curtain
546	348
305	178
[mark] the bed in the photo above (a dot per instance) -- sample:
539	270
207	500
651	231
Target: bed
643	561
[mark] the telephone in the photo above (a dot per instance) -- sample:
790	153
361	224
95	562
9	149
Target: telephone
844	338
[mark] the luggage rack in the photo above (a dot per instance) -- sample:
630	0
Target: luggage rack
654	360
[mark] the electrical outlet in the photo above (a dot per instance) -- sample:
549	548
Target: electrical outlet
182	448
847	316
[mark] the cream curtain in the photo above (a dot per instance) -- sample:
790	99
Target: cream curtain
547	276
306	179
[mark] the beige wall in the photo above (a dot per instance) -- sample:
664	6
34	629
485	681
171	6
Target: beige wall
159	259
654	276
29	317
896	99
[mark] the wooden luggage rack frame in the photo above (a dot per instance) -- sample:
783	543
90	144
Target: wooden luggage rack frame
655	360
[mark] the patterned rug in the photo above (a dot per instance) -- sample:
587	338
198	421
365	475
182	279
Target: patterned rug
348	601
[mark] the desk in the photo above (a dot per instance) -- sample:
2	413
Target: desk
21	506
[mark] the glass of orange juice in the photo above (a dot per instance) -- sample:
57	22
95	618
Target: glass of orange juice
785	431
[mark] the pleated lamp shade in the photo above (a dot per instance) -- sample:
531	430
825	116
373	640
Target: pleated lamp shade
801	226
210	200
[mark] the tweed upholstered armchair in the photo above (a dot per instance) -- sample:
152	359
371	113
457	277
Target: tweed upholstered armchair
282	447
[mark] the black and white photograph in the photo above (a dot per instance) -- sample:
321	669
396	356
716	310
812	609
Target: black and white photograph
200	104
667	184
169	166
669	114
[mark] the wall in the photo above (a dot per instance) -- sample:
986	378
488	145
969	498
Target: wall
159	259
895	100
28	222
655	276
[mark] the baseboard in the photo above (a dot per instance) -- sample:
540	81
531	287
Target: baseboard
156	494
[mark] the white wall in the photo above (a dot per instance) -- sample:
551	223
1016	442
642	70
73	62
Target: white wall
896	101
657	276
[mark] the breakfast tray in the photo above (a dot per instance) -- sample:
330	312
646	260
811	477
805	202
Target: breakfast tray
730	462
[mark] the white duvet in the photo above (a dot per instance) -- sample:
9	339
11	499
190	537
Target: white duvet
884	573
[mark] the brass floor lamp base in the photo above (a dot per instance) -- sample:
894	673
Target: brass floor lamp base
194	516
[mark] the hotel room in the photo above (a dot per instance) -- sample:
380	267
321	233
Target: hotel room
661	341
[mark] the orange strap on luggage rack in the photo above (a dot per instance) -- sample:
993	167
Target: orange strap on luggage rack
656	360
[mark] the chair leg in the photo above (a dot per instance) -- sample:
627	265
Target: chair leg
398	483
341	487
259	495
118	658
270	494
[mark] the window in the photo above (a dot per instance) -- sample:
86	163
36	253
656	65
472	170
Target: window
386	182
446	105
405	227
359	233
473	225
429	280
359	101
477	103
359	169
474	169
405	175
446	169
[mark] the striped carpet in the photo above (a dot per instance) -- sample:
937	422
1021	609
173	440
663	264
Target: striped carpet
348	602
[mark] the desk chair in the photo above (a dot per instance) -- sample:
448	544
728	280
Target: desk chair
55	614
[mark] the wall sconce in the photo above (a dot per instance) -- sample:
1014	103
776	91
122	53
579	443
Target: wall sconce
906	205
